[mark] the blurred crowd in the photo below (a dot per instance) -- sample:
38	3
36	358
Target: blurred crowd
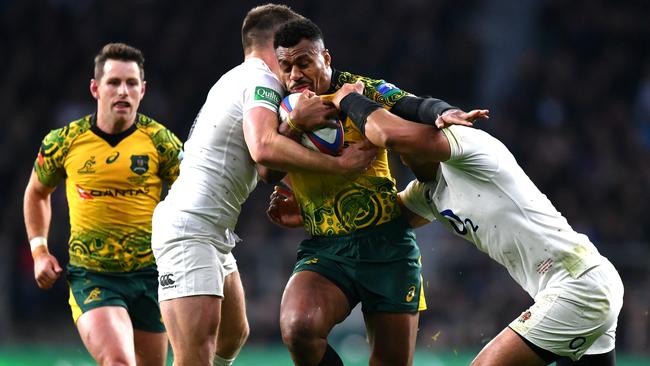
567	84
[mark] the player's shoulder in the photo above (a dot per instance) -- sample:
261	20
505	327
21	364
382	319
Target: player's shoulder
159	134
378	90
253	75
148	125
69	132
255	69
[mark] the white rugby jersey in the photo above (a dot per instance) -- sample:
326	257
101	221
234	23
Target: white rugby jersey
217	173
483	195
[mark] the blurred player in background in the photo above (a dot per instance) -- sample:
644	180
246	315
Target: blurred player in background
360	249
193	228
471	183
114	163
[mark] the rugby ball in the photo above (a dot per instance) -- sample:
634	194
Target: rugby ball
326	140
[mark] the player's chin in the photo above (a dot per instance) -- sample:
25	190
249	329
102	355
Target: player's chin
122	115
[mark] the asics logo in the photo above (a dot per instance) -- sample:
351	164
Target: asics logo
410	294
111	159
166	280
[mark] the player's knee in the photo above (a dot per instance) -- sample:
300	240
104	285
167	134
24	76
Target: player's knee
229	343
235	339
115	359
298	329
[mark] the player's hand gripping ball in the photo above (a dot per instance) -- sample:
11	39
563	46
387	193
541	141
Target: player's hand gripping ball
326	140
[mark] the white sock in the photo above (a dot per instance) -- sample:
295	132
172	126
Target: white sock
218	361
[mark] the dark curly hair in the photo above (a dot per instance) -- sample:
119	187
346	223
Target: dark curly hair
291	33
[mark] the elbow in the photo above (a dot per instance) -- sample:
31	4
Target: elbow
262	154
389	142
379	136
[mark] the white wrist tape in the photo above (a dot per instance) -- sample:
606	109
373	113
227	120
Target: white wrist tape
38	241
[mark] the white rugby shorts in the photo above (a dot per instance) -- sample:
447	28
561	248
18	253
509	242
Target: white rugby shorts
573	317
190	263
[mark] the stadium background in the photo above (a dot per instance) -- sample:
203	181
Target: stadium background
567	83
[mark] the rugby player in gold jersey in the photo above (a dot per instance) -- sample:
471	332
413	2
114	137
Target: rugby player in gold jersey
114	163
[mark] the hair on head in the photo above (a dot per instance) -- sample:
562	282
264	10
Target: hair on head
121	52
291	33
261	22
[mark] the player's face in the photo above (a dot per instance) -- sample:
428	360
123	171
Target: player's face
119	91
305	66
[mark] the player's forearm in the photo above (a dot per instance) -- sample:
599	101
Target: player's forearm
281	153
386	130
37	211
421	110
285	130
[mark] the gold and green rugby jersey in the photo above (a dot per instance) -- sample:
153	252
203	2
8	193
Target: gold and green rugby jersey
334	204
113	183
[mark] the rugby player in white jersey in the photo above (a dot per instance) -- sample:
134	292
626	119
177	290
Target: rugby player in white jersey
193	227
471	183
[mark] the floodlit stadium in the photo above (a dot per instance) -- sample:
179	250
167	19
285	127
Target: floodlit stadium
567	86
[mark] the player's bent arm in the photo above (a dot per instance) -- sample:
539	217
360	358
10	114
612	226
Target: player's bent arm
37	207
37	211
387	130
267	147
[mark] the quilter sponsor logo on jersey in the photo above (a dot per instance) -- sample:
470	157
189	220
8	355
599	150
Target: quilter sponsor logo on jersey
166	281
267	95
89	194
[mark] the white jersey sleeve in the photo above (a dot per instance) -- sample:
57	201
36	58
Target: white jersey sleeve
416	198
264	91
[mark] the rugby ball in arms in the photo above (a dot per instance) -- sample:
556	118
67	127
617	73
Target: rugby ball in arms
326	140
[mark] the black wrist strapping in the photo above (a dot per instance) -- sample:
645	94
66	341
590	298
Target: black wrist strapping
358	108
423	110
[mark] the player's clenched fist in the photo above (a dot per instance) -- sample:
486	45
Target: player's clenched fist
46	269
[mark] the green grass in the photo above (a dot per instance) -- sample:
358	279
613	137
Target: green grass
253	355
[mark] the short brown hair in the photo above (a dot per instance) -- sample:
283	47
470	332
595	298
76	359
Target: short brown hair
261	23
121	52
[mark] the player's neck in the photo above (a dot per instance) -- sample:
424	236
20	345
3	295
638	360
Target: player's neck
267	55
113	126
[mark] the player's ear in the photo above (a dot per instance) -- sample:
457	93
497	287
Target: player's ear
93	88
327	57
144	87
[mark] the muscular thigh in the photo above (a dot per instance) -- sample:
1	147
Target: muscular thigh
313	297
